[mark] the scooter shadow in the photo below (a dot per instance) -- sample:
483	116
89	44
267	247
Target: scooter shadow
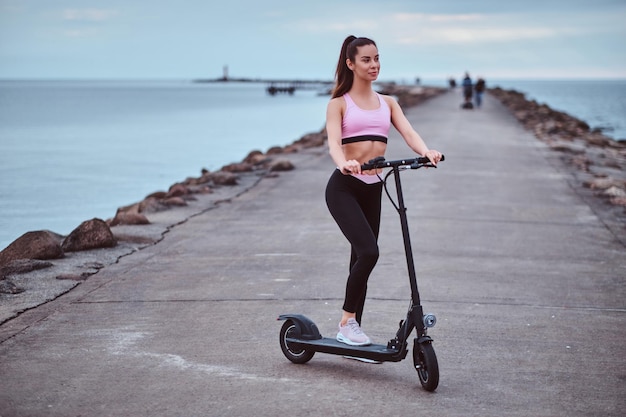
339	367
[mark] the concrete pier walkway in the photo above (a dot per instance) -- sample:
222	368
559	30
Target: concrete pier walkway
527	284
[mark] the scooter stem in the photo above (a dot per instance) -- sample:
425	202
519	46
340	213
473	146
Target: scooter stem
407	240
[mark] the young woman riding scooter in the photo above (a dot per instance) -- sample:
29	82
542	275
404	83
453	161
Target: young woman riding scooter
358	120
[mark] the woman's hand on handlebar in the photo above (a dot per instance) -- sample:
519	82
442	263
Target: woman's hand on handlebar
433	156
351	167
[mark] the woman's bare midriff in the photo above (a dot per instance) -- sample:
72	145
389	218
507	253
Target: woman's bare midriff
364	151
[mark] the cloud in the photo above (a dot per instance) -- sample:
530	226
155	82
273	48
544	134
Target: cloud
460	35
462	29
440	29
80	33
86	23
438	18
314	26
89	15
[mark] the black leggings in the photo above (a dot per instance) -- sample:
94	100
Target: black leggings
355	206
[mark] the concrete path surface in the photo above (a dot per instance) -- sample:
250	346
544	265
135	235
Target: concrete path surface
526	282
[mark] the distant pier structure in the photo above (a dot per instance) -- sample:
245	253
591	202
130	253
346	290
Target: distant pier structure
278	88
290	86
275	86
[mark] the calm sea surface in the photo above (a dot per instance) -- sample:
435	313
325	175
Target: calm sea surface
71	151
600	103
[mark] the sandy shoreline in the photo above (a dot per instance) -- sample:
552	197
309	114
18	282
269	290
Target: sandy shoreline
597	165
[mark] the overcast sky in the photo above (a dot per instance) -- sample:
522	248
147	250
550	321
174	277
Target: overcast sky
185	39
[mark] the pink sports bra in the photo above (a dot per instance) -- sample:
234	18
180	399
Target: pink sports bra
360	125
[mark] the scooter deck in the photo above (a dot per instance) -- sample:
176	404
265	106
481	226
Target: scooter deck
333	346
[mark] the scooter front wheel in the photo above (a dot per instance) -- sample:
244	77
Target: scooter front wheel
426	365
291	330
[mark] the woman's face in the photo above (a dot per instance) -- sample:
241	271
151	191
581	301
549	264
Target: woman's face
366	64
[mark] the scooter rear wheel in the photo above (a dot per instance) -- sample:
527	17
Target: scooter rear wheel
426	365
292	330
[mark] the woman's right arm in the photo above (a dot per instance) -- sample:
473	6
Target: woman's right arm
333	130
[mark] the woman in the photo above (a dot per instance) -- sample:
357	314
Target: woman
357	123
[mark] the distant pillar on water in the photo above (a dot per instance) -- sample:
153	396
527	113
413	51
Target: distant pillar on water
225	71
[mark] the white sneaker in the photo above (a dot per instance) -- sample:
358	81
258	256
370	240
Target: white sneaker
351	334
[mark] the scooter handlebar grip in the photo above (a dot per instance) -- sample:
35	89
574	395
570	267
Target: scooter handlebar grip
424	160
380	162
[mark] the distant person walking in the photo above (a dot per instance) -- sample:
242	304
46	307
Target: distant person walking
467	91
358	120
479	89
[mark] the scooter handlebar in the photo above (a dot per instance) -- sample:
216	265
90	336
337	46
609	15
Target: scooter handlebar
414	163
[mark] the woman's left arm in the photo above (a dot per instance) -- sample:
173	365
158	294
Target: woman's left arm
411	137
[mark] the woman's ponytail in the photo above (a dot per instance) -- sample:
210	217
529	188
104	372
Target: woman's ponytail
344	75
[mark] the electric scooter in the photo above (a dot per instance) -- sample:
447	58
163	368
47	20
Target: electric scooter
300	337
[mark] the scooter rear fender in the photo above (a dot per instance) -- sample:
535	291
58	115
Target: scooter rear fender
308	330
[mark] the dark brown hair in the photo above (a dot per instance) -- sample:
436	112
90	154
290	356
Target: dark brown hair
344	76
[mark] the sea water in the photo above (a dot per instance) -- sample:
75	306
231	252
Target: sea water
75	150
